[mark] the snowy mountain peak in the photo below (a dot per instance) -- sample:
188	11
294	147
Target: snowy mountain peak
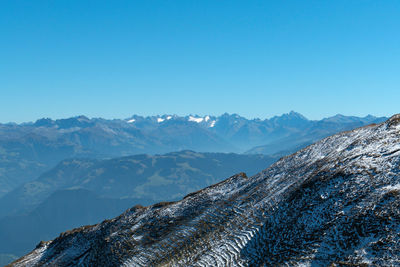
196	119
333	203
296	114
206	121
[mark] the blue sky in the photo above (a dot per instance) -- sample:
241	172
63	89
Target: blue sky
113	59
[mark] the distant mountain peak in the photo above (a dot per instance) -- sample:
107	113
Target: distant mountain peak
44	122
82	118
294	114
291	115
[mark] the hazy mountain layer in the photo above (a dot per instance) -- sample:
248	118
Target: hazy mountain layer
79	192
145	178
27	150
314	131
335	203
63	210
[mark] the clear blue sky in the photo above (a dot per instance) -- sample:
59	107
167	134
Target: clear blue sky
113	59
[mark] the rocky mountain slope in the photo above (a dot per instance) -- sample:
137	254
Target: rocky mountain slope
29	149
335	203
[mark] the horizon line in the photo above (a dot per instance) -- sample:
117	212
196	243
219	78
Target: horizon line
190	114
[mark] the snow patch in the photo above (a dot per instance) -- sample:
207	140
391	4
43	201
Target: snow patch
198	120
160	120
131	121
391	188
137	238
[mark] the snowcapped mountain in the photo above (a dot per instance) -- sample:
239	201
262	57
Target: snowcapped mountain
205	121
334	203
279	133
29	149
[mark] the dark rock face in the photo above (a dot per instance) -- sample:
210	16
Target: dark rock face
335	203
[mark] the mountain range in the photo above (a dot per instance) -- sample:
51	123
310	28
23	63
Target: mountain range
334	203
29	149
51	161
